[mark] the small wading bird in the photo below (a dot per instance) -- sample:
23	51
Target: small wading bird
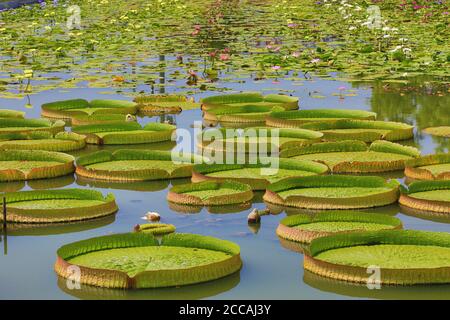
152	216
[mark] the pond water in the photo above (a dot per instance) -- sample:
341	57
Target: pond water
270	271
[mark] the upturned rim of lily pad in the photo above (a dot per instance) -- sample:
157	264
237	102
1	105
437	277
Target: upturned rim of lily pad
288	226
388	276
110	278
101	206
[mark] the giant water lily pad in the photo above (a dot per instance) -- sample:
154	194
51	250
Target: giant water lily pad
211	193
364	130
355	157
332	192
136	165
404	257
81	120
258	175
250	98
125	133
156	229
34	164
62	141
293	119
427	196
56	206
306	227
257	139
6	113
137	260
14	125
66	109
443	131
430	167
247	114
157	104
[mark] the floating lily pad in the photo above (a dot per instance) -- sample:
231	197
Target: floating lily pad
355	157
156	229
250	98
55	206
81	120
34	164
430	167
258	175
404	257
427	196
246	114
135	165
306	227
160	104
5	113
254	140
332	192
125	133
66	109
293	119
443	131
211	193
62	141
14	125
365	130
137	260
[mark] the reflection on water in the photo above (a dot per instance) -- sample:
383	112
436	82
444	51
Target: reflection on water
36	229
390	210
232	208
426	215
40	184
431	292
293	246
90	148
198	291
148	186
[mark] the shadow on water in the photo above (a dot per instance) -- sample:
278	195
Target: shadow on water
431	292
191	292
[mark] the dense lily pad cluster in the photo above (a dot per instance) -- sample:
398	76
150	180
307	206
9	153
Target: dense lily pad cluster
203	41
318	156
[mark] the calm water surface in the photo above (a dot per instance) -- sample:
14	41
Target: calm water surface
270	270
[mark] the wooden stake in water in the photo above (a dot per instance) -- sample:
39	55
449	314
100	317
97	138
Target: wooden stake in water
4	213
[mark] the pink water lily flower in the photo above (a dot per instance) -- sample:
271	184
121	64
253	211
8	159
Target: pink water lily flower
276	68
224	57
